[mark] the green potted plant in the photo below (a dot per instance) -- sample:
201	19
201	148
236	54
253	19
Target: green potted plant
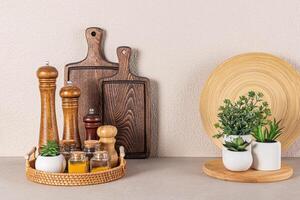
236	156
50	160
266	149
239	118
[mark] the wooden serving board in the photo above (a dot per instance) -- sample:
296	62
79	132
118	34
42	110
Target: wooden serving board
86	74
216	169
126	105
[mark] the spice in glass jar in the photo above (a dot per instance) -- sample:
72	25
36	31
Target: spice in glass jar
66	147
98	147
99	162
78	162
90	148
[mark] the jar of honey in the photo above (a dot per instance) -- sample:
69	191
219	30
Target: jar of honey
78	163
99	162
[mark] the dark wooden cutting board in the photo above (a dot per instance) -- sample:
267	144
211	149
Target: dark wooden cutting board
126	105
86	74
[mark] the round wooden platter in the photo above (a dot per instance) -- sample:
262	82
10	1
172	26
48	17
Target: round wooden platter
216	169
260	72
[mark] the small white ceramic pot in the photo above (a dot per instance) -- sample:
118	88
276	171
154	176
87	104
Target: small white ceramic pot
266	156
50	163
236	161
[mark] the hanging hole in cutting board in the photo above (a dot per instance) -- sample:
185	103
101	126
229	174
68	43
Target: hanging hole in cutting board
93	33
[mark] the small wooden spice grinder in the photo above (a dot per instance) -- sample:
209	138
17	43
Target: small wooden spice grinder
107	140
91	122
70	95
48	127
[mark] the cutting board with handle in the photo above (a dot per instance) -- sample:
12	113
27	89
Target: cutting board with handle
86	74
126	105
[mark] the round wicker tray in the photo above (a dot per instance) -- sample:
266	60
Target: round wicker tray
65	179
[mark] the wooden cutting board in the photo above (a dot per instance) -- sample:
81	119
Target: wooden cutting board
86	74
126	105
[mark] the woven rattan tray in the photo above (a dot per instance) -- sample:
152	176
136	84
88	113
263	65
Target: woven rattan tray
65	179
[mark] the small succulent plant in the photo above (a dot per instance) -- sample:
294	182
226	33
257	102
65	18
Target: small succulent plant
50	149
242	116
268	135
237	144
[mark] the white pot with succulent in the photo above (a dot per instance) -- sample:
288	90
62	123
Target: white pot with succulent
236	156
50	160
265	149
239	118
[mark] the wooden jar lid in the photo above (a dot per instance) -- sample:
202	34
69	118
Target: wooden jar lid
91	143
67	142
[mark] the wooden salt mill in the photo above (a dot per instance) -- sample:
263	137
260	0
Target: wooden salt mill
107	140
92	122
70	95
48	127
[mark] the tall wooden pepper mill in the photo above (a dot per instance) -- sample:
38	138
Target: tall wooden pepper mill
48	127
92	122
107	140
70	95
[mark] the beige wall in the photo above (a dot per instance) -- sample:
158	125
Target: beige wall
178	42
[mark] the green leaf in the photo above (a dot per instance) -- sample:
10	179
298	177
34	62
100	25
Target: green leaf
270	133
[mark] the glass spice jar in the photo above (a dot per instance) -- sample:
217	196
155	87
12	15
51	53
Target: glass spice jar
78	162
66	147
99	162
90	147
98	147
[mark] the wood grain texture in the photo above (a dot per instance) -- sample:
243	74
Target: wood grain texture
275	78
48	126
126	105
216	169
70	95
107	134
91	122
86	74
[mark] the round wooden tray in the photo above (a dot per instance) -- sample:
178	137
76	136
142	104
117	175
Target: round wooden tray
65	179
261	72
216	169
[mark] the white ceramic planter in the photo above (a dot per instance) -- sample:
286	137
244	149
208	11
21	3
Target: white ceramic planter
266	156
236	161
50	164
